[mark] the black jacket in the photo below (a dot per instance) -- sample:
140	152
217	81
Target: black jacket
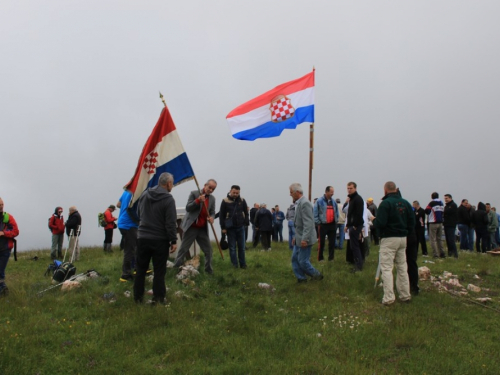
73	222
234	209
479	217
355	211
450	214
253	211
419	218
264	220
463	215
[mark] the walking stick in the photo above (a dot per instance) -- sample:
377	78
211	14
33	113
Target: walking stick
69	241
76	244
70	279
377	274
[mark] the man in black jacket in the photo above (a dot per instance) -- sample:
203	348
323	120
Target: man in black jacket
450	224
420	227
354	224
157	233
464	226
73	230
264	224
233	216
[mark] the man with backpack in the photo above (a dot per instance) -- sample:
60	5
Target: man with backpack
56	226
109	228
8	232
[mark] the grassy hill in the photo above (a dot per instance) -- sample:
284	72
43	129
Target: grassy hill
226	324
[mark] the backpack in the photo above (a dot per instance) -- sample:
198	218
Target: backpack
50	218
101	220
64	272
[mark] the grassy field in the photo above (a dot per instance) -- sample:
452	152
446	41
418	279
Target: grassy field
226	324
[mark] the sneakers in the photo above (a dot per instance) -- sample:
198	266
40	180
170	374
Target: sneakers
147	272
126	278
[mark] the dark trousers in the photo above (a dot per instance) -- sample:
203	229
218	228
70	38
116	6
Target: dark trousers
325	230
129	250
449	233
482	240
374	235
256	238
420	233
278	232
108	235
158	251
355	243
411	261
265	237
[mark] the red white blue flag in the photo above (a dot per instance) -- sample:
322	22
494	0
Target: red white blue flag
284	107
163	152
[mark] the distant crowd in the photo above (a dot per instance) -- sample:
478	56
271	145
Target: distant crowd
150	230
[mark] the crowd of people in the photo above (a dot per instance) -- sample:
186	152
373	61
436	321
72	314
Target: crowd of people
398	227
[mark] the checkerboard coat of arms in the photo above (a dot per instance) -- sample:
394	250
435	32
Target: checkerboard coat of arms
281	108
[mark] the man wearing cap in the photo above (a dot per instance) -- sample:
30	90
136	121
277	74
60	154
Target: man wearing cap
108	229
200	210
372	207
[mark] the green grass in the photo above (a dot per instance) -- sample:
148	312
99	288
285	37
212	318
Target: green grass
227	325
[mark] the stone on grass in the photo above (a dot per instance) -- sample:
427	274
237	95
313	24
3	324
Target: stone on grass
424	273
473	288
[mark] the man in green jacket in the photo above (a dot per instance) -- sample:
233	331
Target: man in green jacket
492	225
395	218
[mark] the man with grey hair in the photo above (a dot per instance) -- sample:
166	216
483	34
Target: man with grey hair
395	219
156	234
305	236
200	210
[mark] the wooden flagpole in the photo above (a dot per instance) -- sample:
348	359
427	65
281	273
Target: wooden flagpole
199	190
311	157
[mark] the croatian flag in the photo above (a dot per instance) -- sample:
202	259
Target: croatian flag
267	115
163	152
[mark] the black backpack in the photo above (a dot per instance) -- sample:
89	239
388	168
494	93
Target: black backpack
64	272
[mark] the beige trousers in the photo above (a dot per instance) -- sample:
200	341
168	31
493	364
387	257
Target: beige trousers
393	251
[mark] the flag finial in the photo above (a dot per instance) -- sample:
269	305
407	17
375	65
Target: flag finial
162	99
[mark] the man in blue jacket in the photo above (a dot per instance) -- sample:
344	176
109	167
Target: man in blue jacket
326	216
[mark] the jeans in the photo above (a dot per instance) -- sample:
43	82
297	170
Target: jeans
449	233
291	233
278	232
158	250
301	263
236	237
340	245
464	236
4	259
472	233
493	243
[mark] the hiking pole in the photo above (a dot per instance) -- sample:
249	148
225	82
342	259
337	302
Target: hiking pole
377	274
76	244
69	241
70	279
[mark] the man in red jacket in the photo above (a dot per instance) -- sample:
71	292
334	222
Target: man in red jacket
56	225
108	229
8	231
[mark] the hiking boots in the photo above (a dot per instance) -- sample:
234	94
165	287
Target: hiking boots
126	278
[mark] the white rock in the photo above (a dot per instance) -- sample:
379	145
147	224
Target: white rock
424	273
473	288
476	277
69	284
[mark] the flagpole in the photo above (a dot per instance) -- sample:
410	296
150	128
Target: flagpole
199	190
311	157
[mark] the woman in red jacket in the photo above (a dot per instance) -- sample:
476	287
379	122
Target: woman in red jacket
56	225
108	229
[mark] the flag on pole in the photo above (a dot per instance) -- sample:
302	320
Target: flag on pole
163	152
284	107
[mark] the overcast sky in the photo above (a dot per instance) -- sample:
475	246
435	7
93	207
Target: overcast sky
405	91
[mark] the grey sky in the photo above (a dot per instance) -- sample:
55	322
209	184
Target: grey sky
405	91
